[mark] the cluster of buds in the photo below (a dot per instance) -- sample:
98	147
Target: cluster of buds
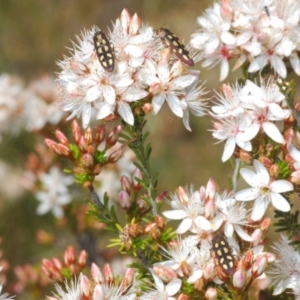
99	286
28	275
88	160
71	266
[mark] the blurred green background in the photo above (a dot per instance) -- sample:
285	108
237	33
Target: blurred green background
34	34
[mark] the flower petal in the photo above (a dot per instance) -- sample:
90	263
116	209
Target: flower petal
279	202
281	186
259	208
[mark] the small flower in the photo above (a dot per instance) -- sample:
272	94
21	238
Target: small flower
73	291
286	269
190	211
263	191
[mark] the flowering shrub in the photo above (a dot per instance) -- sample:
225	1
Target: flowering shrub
218	246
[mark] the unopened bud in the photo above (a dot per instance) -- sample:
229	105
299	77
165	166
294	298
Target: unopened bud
245	157
183	195
124	199
160	221
69	256
87	160
127	280
113	135
265	224
274	171
147	108
96	274
183	297
259	266
125	184
135	24
211	294
137	174
61	137
85	286
79	68
108	274
115	156
186	269
161	196
295	177
239	279
134	230
266	162
99	134
88	136
125	20
257	236
82	259
76	131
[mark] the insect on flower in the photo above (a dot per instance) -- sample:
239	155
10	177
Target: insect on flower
104	51
172	41
223	255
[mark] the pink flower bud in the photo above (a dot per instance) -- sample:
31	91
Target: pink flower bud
125	20
259	266
82	259
257	236
126	184
87	160
113	135
69	256
124	199
210	190
76	131
79	68
115	156
88	136
147	108
211	294
99	134
239	279
61	137
84	285
108	274
96	274
183	195
135	24
295	177
135	184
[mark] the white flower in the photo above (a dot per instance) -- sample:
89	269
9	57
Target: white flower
111	292
162	292
234	215
233	131
73	291
190	212
263	191
55	193
191	101
286	269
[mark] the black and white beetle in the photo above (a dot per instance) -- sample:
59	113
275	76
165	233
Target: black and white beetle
104	51
223	254
172	41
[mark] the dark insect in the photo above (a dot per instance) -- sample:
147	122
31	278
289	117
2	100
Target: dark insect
172	41
267	11
223	254
104	51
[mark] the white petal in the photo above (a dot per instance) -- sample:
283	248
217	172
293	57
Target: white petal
242	234
261	172
174	104
257	64
109	94
278	66
217	221
281	186
195	276
259	208
173	287
247	194
294	152
86	115
157	102
176	214
224	70
279	202
228	38
250	177
228	149
185	120
228	229
295	62
273	132
184	226
125	112
134	50
202	223
104	110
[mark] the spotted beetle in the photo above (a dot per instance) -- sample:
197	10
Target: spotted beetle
104	51
172	41
223	254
